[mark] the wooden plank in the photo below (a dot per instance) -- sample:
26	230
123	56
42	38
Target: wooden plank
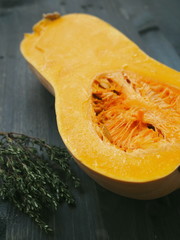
3	220
167	17
25	106
160	48
154	41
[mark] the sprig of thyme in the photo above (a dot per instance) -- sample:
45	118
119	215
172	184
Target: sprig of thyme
34	175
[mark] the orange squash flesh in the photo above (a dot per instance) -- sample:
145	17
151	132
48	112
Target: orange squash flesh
118	110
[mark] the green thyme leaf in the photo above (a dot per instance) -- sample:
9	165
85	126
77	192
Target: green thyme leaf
35	175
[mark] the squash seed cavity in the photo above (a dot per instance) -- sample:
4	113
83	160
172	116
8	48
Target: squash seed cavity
134	113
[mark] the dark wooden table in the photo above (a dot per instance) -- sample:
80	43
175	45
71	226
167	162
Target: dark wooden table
26	107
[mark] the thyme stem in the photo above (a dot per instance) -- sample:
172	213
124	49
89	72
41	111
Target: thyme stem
35	175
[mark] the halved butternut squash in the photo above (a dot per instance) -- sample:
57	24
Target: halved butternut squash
118	110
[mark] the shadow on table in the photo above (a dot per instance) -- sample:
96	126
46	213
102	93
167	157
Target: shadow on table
127	219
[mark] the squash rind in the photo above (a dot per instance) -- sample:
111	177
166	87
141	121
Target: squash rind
109	166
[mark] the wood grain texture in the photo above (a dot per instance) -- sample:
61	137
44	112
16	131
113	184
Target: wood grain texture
25	106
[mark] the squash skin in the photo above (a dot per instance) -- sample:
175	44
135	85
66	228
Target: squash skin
135	189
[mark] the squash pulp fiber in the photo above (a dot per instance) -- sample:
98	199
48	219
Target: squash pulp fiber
118	110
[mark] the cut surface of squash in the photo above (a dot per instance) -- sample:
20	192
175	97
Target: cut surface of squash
132	113
118	110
